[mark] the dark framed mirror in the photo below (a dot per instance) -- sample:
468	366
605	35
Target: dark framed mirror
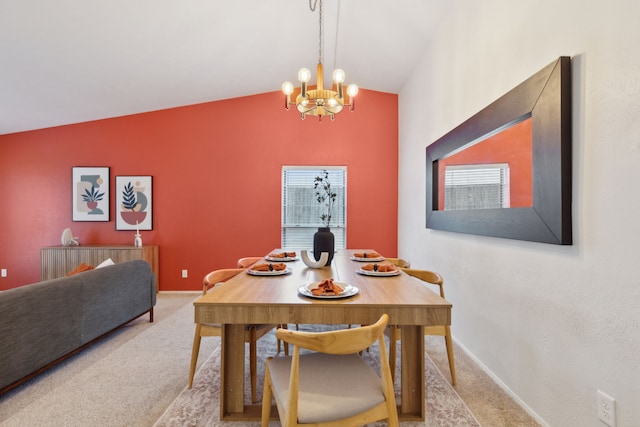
506	171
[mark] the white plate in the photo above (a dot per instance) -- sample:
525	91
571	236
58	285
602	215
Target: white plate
284	259
347	291
378	273
269	273
355	258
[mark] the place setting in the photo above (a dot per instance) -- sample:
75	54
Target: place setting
283	256
367	256
375	269
328	289
269	269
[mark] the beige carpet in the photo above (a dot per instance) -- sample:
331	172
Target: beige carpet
200	405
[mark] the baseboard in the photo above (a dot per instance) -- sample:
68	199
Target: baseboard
181	292
501	384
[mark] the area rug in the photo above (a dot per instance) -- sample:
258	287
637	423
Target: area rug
199	406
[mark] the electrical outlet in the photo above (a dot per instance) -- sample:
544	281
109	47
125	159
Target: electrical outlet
3	272
185	273
607	409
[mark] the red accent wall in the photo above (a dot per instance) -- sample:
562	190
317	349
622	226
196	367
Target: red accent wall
513	146
216	171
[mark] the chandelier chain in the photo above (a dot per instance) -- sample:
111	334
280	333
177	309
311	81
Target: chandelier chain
312	6
320	37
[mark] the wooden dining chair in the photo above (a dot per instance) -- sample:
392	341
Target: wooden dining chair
393	331
251	332
247	262
402	263
331	385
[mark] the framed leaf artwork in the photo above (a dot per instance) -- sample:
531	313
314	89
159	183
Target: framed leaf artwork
134	207
90	193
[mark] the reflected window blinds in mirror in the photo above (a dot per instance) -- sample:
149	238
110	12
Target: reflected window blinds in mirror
506	171
476	186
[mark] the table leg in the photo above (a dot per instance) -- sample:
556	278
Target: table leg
232	371
412	387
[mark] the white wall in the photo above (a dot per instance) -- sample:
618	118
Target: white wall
552	323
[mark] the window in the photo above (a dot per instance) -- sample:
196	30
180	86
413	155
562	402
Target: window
301	212
483	186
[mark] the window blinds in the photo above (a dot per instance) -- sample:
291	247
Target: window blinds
301	211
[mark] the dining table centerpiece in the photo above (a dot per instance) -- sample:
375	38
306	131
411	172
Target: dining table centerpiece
323	239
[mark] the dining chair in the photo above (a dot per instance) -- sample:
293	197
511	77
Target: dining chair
329	384
247	262
251	332
393	331
402	263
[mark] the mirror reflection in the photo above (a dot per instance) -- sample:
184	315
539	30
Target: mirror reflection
494	171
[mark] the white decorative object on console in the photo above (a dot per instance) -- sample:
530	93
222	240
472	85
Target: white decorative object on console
68	239
137	242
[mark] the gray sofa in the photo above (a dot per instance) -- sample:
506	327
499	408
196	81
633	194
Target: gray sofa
42	323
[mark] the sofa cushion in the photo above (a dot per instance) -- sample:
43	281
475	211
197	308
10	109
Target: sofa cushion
39	324
42	322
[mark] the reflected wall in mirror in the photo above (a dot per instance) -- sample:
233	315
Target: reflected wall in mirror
494	172
506	171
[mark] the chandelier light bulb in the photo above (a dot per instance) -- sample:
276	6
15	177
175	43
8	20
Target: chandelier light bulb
332	102
304	75
287	88
352	90
338	75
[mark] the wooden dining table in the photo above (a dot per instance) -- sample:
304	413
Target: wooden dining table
275	299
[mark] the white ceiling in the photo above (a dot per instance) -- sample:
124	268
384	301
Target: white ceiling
70	61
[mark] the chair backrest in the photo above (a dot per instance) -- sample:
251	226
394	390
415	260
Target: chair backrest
427	276
402	263
343	341
218	276
340	342
247	262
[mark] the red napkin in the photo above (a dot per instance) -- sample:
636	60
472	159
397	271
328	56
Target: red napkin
327	287
268	267
79	269
381	268
367	255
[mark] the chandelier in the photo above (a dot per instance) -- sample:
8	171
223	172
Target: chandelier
320	101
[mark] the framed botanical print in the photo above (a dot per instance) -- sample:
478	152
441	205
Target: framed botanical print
90	193
134	208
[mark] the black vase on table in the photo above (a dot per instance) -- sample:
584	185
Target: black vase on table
323	241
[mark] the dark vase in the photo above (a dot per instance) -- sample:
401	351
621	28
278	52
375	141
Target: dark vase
323	241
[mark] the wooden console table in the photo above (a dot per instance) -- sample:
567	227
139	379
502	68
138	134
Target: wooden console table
57	261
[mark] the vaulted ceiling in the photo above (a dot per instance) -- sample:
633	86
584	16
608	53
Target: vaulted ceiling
69	61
